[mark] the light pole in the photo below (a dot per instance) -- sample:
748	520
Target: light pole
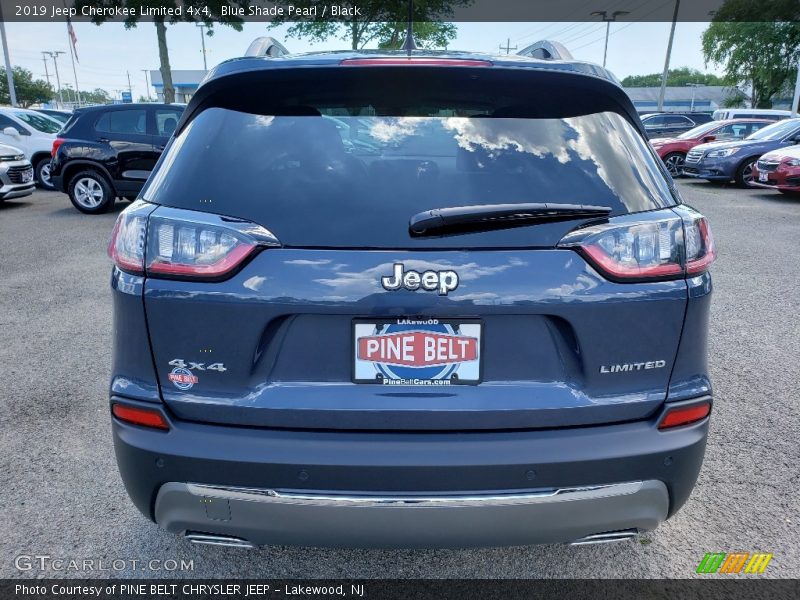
55	54
12	92
608	19
202	27
694	87
147	82
664	76
46	72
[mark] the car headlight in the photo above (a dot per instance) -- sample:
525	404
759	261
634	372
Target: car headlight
793	162
722	153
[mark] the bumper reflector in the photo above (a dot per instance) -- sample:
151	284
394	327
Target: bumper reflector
684	415
140	416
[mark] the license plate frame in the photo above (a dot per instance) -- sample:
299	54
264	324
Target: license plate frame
433	327
763	177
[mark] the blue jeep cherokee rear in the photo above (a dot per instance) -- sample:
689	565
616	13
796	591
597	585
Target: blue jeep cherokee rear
409	301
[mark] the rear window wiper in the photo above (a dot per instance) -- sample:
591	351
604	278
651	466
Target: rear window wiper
487	217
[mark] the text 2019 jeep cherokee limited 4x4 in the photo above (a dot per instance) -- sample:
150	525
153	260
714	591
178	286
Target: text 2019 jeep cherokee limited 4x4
371	299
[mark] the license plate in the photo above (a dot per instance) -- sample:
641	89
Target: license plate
419	352
27	176
762	177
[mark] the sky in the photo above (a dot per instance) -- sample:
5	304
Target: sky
108	53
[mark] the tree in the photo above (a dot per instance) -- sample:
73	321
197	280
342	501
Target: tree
207	12
675	77
757	43
380	21
96	96
29	90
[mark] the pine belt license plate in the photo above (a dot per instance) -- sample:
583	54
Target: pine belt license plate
417	352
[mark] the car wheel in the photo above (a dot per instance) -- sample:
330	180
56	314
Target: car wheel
744	174
674	163
91	193
42	173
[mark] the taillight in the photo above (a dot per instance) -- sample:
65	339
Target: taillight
174	243
146	417
647	246
126	247
684	415
700	249
56	144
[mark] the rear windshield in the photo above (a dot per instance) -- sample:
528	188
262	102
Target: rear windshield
355	181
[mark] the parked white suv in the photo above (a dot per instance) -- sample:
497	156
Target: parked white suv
33	133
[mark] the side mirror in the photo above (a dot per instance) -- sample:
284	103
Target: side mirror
709	138
11	131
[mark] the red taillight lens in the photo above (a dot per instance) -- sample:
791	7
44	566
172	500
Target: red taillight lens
700	249
684	415
126	247
146	417
379	61
56	143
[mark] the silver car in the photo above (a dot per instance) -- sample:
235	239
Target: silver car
16	173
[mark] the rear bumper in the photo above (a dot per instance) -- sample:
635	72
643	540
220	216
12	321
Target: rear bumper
315	519
156	467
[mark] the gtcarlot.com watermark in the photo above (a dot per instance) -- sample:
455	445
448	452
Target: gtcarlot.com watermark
45	562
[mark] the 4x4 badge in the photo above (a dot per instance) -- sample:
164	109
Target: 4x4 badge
431	281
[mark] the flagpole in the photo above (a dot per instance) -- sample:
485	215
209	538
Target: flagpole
72	56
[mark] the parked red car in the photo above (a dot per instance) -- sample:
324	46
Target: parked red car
779	170
673	150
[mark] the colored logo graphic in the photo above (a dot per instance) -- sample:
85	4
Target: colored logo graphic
734	562
182	378
408	351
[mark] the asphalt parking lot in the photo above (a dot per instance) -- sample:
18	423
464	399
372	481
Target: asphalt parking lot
62	496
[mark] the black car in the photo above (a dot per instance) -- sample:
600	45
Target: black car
672	124
105	152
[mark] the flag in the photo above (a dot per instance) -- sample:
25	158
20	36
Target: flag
73	38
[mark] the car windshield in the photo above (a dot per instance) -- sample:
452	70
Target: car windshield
697	131
39	122
775	131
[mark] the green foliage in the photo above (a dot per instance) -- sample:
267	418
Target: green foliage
207	12
762	54
29	90
96	96
381	21
675	77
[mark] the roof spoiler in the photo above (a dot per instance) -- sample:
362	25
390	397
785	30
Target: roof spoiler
266	46
546	50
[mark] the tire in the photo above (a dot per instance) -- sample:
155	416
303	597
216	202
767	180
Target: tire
674	163
41	173
90	193
744	174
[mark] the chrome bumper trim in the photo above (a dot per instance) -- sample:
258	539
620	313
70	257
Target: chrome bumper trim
415	500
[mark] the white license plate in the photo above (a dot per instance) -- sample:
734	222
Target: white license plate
762	176
420	351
